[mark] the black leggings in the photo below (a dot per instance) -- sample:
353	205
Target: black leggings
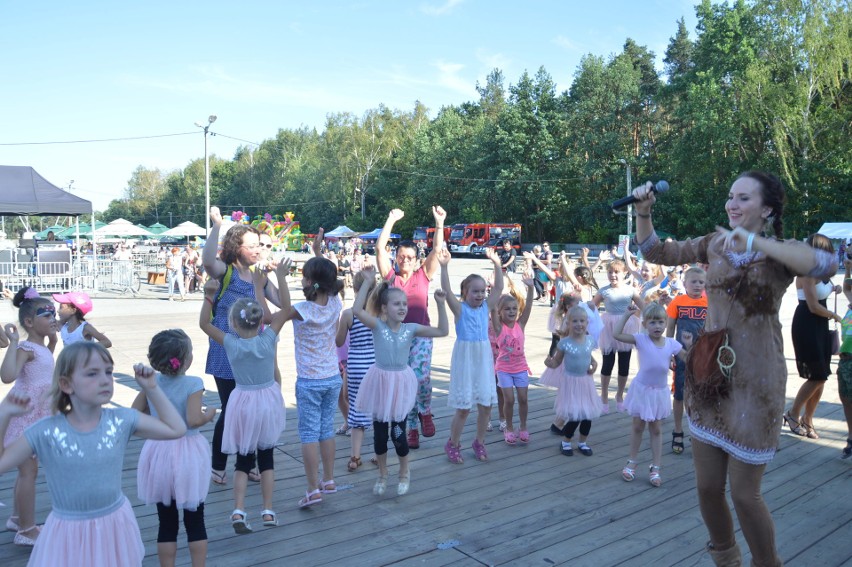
193	522
571	427
623	363
225	387
397	436
264	461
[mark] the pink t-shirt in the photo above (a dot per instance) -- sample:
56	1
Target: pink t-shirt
510	350
417	291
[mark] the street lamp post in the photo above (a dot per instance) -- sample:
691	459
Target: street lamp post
210	120
629	207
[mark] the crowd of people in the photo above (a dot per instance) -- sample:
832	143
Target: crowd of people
663	306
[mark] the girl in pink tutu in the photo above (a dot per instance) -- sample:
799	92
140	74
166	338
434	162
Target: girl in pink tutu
472	365
571	370
650	399
255	417
29	364
173	474
513	372
616	297
389	388
81	447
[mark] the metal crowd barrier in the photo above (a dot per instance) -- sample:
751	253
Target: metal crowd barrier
85	274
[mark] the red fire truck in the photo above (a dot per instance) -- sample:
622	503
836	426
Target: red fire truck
474	237
426	235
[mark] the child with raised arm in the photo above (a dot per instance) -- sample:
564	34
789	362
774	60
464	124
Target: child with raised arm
389	387
571	369
318	380
173	474
256	415
472	365
29	364
649	399
73	308
511	366
687	313
81	447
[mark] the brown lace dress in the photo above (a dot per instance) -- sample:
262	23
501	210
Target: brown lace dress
744	293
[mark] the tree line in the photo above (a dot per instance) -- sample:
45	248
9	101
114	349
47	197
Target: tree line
762	85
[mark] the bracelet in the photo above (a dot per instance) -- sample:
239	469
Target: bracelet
643	216
749	242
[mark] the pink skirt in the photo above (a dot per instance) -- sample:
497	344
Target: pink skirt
606	343
254	420
577	398
648	404
176	471
108	541
387	395
551	377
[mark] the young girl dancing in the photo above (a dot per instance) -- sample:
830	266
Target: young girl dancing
511	366
570	370
73	308
389	387
173	474
81	447
318	381
361	355
471	366
616	297
650	399
29	364
256	415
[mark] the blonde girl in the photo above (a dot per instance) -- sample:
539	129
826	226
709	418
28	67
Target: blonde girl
256	415
649	400
81	447
508	323
472	365
617	297
173	474
29	365
389	388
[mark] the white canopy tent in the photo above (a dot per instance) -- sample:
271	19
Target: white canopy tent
836	230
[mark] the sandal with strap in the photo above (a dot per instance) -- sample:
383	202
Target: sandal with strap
654	476
220	478
628	473
12	524
810	432
380	486
354	463
479	450
254	475
271	522
847	451
24	540
311	498
404	484
795	426
524	436
240	525
677	446
453	452
509	437
328	486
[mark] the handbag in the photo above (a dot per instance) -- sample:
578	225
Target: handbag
834	334
710	362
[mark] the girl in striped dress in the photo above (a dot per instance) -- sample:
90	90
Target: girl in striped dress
361	356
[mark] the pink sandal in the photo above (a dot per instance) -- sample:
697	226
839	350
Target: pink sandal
479	451
453	453
524	436
509	437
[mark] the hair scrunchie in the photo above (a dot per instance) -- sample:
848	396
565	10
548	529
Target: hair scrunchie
174	362
243	314
316	285
31	293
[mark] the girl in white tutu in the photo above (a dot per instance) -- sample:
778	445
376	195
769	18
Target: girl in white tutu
616	297
649	399
255	417
173	474
472	364
81	447
571	370
389	388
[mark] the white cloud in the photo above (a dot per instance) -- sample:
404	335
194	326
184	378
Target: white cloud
440	9
566	43
449	76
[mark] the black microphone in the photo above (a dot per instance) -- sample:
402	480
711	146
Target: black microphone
658	187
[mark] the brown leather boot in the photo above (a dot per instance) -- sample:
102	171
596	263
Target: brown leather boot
730	557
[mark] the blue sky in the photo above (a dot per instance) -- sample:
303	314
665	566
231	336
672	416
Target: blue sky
95	70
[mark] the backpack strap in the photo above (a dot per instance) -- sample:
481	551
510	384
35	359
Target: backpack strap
223	285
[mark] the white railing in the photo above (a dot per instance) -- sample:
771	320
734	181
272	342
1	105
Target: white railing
86	274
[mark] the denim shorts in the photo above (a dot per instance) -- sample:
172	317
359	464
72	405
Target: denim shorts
316	402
